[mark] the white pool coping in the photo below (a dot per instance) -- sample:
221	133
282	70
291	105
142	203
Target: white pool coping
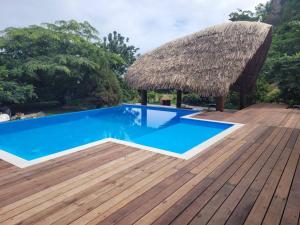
22	163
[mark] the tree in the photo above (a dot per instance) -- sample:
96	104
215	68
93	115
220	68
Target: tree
279	78
260	13
61	61
286	69
263	10
286	39
242	15
12	91
283	63
117	44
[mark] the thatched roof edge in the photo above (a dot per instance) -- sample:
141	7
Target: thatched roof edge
207	62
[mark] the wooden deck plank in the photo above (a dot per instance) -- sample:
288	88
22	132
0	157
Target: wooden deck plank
73	200
237	217
223	213
35	184
33	171
115	186
262	202
224	172
37	171
245	205
197	169
250	177
292	210
226	183
276	208
177	208
73	186
73	182
180	172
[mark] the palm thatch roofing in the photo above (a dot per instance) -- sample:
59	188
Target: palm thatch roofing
207	62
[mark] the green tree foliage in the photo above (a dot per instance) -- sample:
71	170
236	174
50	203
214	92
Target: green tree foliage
243	15
286	39
266	92
260	14
290	11
59	61
119	45
11	90
287	71
279	78
282	65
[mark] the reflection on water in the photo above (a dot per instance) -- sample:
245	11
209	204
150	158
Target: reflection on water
151	118
36	138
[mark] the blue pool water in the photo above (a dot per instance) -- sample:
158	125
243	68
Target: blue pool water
157	127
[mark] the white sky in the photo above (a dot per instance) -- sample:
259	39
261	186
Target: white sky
148	23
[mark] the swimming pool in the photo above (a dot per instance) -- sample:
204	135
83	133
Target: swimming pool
165	130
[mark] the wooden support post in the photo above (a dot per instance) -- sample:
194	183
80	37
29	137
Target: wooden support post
179	98
243	99
143	97
220	103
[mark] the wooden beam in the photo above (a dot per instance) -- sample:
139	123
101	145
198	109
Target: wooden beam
179	99
220	103
243	99
143	97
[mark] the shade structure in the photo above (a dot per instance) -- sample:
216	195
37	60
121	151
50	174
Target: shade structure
208	62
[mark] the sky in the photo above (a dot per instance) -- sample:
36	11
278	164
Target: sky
148	23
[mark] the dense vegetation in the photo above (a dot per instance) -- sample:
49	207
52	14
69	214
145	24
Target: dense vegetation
279	80
63	61
117	44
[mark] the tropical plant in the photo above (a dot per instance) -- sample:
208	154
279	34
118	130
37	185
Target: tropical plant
286	69
279	78
260	13
117	44
59	61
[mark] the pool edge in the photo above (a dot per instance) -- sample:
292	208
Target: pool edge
202	147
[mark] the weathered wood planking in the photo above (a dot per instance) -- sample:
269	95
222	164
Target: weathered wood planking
250	177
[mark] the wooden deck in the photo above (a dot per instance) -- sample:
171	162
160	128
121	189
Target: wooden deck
251	177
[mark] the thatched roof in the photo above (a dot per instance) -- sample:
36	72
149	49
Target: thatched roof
207	62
